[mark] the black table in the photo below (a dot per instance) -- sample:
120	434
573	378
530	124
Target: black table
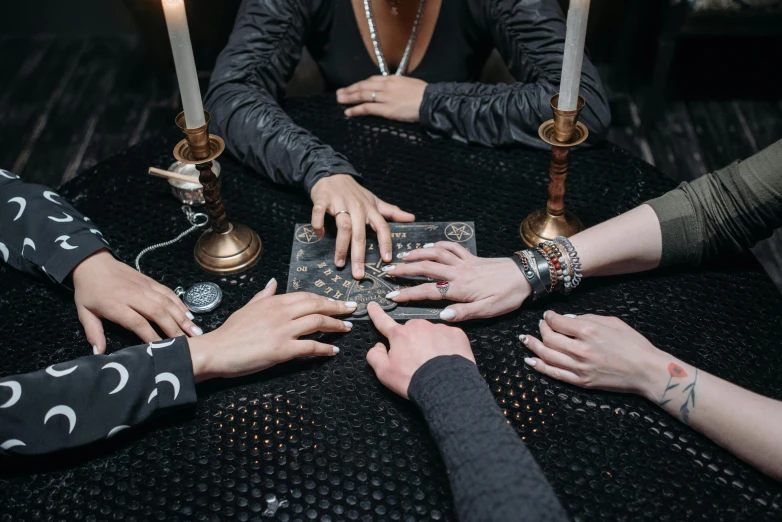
323	439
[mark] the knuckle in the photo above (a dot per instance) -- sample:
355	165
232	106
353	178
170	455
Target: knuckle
346	225
359	236
138	323
587	330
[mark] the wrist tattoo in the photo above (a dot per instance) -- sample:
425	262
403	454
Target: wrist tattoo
689	401
677	372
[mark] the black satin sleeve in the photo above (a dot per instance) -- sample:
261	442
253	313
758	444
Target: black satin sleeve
247	85
80	402
530	36
493	476
41	233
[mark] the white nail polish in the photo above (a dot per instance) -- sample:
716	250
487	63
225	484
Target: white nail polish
348	324
330	299
351	304
388	268
540	323
530	362
447	314
571	316
391	295
95	350
429	245
544	315
402	255
523	339
190	315
196	330
335	349
272	280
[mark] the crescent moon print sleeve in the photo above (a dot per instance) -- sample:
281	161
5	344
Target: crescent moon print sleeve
42	233
492	475
83	401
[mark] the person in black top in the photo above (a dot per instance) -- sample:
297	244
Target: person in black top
493	476
438	89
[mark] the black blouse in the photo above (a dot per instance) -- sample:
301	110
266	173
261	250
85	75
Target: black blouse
457	51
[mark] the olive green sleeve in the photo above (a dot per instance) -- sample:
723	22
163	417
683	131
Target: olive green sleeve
727	211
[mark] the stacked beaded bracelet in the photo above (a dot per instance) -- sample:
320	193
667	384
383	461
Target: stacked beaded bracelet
562	264
552	265
575	262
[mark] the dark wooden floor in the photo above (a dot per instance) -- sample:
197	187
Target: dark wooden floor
68	103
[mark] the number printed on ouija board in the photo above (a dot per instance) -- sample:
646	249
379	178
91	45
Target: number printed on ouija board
312	268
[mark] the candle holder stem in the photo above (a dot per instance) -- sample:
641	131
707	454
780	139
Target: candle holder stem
562	133
212	198
226	248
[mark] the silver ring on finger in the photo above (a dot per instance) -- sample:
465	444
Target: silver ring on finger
442	287
374	96
342	212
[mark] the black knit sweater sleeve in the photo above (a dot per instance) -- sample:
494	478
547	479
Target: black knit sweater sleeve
492	475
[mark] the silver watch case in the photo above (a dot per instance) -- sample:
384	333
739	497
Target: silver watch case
201	297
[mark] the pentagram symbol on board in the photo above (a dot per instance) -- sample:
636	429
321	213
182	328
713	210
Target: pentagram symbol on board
312	267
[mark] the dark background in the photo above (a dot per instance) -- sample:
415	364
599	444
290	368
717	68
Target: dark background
691	91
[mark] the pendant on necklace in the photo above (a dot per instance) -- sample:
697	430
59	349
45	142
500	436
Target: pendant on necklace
201	297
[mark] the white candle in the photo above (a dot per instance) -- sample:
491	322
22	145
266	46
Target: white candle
178	32
577	17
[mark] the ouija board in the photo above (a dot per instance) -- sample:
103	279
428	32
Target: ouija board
312	267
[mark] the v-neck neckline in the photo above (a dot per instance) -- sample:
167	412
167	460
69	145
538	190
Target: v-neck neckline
369	53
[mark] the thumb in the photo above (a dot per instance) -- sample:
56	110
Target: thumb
268	291
93	330
465	311
377	357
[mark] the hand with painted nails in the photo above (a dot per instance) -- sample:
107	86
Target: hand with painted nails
412	345
354	207
484	287
105	288
266	332
594	351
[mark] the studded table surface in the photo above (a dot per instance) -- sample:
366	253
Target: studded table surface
324	440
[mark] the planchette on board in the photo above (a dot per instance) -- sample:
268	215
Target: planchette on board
312	267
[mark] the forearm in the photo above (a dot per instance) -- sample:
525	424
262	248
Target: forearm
247	84
530	37
80	402
745	423
41	233
492	475
631	242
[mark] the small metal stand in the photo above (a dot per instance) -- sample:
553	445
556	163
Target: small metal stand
562	133
225	248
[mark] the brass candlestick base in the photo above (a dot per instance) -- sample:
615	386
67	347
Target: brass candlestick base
562	133
226	248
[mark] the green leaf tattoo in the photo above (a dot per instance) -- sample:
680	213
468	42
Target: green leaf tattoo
689	400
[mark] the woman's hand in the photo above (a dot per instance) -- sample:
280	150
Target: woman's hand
593	351
106	288
354	207
412	345
266	332
396	97
488	287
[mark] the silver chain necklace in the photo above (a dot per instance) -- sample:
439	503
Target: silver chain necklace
381	59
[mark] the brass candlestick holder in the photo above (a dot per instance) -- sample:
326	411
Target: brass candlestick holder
562	133
226	248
